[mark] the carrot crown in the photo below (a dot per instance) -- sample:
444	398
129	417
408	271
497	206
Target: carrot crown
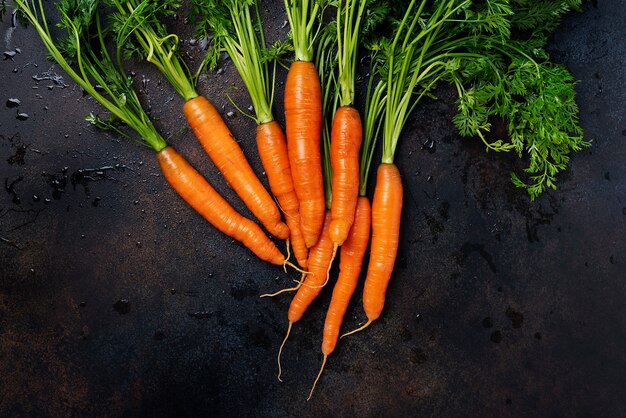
238	30
94	66
304	18
138	31
349	17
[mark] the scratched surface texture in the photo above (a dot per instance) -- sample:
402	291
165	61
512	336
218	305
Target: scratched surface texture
116	299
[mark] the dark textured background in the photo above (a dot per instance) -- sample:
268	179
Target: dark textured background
116	299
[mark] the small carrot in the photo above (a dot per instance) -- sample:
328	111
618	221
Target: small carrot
350	262
346	136
386	213
196	191
273	152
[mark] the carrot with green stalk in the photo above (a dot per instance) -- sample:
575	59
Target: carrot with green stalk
236	28
303	116
346	134
322	253
139	31
103	79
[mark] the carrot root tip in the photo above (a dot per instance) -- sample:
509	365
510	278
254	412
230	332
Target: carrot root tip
287	289
361	328
280	350
319	374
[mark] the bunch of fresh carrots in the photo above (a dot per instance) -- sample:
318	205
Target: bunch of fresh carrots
318	167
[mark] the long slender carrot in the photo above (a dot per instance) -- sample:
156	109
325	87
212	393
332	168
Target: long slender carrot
273	152
220	145
320	257
351	260
196	191
303	119
346	136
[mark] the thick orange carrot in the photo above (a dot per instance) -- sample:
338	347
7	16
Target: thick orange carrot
228	157
351	259
303	118
196	191
386	213
346	136
272	147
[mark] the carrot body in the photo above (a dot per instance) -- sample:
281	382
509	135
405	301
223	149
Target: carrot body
196	191
303	118
346	136
272	147
386	213
319	259
352	253
228	157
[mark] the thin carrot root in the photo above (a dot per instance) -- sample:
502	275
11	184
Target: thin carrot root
317	378
361	328
280	350
330	265
288	255
287	289
296	268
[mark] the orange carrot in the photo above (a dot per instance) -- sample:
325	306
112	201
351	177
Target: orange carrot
319	264
303	118
386	213
351	259
228	157
196	191
345	142
273	152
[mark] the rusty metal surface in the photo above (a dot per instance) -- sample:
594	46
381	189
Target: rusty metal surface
116	299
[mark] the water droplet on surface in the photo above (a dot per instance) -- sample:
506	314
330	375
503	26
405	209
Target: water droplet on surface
122	306
11	103
230	115
172	291
36	198
22	116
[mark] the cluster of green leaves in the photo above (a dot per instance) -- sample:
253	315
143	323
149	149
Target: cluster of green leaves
235	27
492	51
139	31
83	55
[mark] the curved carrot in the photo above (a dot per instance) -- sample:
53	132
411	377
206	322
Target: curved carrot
303	118
386	213
272	147
196	191
351	259
319	261
346	136
228	157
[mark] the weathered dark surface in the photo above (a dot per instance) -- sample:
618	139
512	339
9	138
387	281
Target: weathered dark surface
117	299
